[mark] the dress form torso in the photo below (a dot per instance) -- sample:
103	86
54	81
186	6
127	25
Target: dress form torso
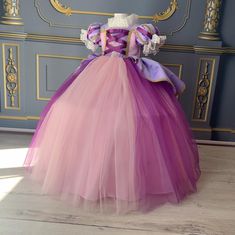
117	35
121	20
123	36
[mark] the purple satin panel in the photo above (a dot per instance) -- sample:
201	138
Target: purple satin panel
120	31
93	33
58	93
118	39
118	49
155	72
157	30
116	35
92	30
144	32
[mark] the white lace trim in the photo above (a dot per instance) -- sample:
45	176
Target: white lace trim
122	21
90	45
154	44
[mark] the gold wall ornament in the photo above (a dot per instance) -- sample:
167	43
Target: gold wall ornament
203	89
180	71
185	18
213	129
66	10
211	21
19	118
76	41
179	66
57	24
167	13
52	24
11	13
11	78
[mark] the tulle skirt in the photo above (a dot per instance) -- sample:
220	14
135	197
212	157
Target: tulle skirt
111	140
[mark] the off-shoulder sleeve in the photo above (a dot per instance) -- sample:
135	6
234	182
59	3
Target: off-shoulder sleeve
148	36
91	36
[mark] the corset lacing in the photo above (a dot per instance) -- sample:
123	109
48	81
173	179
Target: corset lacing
115	41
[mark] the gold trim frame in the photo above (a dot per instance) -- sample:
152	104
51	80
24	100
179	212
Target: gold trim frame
211	20
11	13
6	106
212	71
38	56
185	19
164	15
180	66
51	24
77	41
213	129
19	118
178	28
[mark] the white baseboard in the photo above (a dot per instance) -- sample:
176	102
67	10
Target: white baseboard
215	142
21	130
200	142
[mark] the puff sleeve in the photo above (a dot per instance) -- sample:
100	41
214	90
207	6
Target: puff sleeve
149	37
91	36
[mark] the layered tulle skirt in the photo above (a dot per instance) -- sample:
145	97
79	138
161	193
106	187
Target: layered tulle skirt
111	140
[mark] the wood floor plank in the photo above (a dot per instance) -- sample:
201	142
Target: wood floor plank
210	211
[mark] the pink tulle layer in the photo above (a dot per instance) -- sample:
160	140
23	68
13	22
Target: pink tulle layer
115	141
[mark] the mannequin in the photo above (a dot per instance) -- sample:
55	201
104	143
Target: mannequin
120	15
122	20
118	147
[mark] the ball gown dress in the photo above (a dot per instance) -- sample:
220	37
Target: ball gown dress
114	136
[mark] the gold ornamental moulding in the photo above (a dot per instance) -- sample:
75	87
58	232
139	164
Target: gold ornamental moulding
164	15
74	40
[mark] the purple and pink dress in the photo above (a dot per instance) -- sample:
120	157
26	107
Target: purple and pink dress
114	135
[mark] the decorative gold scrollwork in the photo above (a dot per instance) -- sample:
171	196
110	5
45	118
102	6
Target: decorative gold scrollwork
203	90
167	13
62	8
11	13
211	22
164	15
11	8
11	77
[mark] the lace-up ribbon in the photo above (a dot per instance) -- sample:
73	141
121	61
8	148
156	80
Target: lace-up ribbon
116	36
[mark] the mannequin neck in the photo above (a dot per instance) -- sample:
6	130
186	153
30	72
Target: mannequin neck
122	20
120	15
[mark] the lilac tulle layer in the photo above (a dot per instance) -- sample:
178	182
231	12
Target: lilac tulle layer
110	139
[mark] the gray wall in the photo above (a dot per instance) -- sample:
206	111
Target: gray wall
46	49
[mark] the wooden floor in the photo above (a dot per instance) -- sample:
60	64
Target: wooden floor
23	210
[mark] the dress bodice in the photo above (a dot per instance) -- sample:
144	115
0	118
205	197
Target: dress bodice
124	41
127	39
114	40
